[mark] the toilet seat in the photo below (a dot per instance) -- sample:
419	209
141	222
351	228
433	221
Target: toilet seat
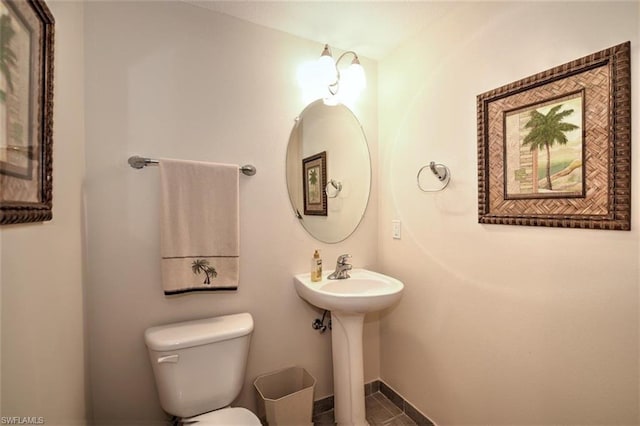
236	416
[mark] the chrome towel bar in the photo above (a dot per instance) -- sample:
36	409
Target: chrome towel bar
138	162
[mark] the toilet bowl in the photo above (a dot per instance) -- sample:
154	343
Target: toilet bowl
199	368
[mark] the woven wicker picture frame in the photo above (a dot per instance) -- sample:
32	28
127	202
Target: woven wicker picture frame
559	140
26	108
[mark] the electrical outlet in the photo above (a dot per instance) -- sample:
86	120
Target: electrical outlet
396	229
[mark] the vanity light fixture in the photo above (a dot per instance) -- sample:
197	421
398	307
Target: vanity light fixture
350	81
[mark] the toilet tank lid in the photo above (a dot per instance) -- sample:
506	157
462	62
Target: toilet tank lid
199	332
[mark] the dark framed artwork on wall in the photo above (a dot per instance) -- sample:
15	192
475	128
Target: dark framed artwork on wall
26	111
554	149
314	181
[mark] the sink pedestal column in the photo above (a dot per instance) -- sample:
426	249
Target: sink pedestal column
348	369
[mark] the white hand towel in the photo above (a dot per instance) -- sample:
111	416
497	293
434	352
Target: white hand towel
199	226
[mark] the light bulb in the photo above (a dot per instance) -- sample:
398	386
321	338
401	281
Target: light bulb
308	81
358	77
327	70
352	83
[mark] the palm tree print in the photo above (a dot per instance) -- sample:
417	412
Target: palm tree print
313	186
8	58
546	130
202	265
313	176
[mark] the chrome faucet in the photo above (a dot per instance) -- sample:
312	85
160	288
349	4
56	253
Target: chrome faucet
342	268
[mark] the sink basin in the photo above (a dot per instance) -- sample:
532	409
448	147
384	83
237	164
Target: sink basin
365	291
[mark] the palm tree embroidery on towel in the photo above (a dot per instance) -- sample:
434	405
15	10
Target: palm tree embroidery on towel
202	265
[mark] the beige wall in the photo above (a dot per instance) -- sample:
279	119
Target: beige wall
474	340
41	267
173	80
500	324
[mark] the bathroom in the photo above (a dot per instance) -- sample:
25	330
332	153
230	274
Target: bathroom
498	325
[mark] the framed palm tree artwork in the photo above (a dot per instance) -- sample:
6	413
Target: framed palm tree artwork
314	181
554	148
544	149
26	111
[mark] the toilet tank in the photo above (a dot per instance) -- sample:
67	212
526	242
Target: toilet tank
199	365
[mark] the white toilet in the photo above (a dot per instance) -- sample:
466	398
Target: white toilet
199	368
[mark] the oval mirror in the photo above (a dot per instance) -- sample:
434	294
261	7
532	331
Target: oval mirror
328	171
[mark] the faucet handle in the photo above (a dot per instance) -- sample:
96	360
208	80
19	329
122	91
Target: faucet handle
342	259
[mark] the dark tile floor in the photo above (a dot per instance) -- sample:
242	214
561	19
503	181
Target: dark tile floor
380	411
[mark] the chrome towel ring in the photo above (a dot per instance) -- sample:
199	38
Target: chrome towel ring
441	171
333	188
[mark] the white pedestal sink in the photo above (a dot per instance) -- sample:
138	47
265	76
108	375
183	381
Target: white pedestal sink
349	300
